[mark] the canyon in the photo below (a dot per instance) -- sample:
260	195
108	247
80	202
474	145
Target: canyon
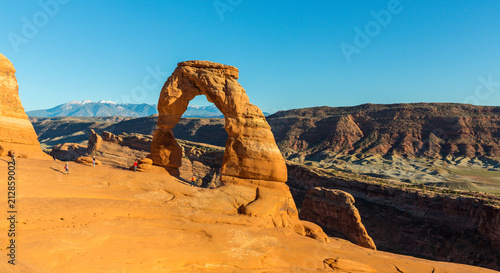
430	222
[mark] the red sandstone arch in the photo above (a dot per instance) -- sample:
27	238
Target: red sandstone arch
251	150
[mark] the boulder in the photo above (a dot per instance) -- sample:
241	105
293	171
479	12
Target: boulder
87	160
146	161
314	231
334	211
17	132
143	165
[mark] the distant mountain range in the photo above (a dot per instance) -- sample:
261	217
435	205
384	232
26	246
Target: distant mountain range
101	108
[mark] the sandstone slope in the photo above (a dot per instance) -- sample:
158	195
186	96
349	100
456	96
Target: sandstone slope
109	220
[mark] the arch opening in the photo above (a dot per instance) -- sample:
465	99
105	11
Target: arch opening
250	151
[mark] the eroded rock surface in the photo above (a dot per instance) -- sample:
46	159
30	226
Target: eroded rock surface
87	160
68	151
251	158
251	152
118	151
431	130
95	142
334	210
153	222
436	223
16	133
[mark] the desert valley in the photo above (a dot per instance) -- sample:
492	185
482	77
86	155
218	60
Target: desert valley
371	188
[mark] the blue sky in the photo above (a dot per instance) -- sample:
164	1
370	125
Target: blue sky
291	54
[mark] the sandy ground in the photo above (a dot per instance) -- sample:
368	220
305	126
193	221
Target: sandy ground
110	220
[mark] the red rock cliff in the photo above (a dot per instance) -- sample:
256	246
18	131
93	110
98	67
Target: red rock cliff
449	226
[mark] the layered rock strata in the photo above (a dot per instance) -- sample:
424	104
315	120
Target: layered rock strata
453	226
16	131
432	130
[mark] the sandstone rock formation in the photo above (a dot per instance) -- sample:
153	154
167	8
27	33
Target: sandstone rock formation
251	151
134	141
68	151
201	160
436	223
87	160
251	157
94	143
334	210
110	137
16	131
314	231
116	152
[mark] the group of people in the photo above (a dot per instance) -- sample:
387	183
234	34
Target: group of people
66	167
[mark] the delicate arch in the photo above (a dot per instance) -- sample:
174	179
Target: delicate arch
251	151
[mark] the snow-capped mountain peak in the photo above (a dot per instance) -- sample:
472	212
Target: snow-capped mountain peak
89	108
107	102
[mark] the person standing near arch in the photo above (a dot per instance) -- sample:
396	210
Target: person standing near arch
135	165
